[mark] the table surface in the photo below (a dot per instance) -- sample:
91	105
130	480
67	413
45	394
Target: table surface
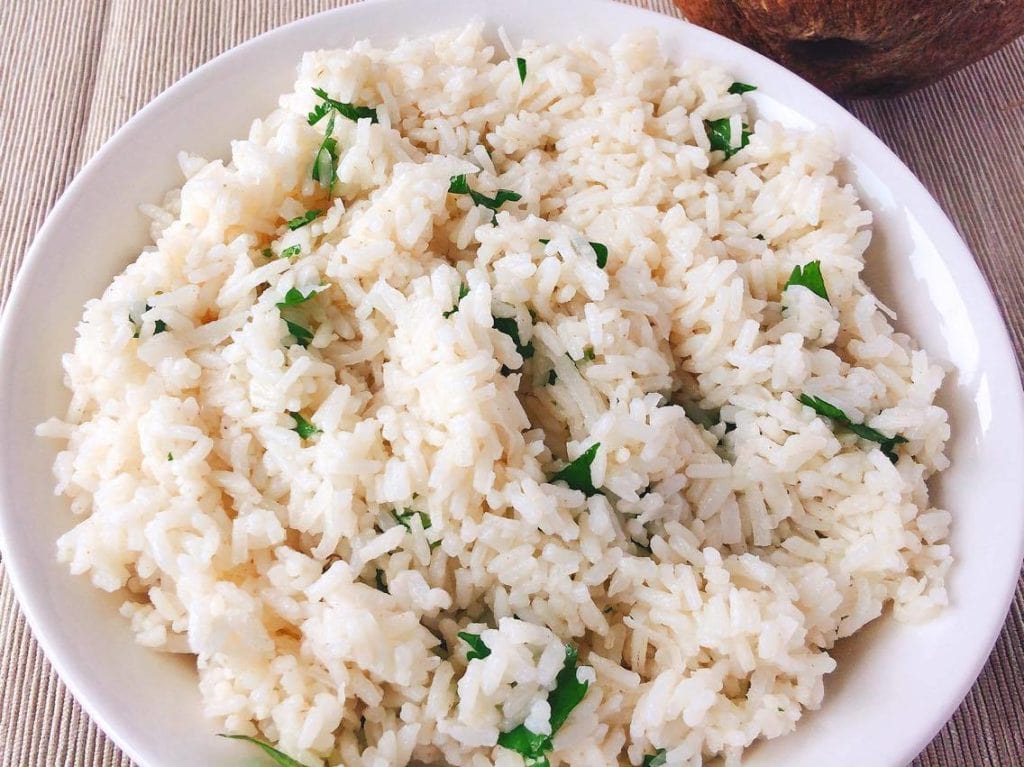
72	71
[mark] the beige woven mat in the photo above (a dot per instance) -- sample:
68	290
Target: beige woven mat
72	71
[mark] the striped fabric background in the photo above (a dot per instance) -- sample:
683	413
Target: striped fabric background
72	71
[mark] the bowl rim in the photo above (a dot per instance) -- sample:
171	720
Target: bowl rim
922	202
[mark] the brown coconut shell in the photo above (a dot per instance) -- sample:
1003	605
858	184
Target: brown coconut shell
865	47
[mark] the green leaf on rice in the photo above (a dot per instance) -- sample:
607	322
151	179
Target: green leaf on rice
463	292
809	276
720	135
344	108
300	221
739	87
304	428
478	650
510	327
294	297
302	335
657	759
460	185
886	444
566	695
402	517
326	160
577	474
279	757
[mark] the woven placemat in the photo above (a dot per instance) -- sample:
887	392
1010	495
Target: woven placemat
72	72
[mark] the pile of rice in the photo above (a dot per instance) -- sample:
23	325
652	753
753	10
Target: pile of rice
738	533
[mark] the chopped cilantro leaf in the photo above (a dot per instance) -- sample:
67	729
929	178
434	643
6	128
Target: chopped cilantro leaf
568	693
280	758
294	297
378	579
460	185
809	276
720	135
302	335
170	456
510	327
303	428
577	473
739	87
325	162
300	221
290	251
159	326
345	109
601	251
657	759
268	253
886	444
477	648
463	292
521	66
402	517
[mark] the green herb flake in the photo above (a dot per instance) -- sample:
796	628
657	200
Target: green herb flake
379	582
477	649
326	160
402	517
568	693
460	185
291	251
827	409
577	473
544	241
294	297
510	327
552	377
279	757
268	253
159	326
720	135
657	759
463	292
300	221
170	456
344	108
304	428
521	66
588	354
739	87
302	335
601	251
809	276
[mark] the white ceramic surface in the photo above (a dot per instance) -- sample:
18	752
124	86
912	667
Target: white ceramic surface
896	684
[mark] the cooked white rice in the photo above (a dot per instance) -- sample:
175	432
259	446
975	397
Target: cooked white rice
703	587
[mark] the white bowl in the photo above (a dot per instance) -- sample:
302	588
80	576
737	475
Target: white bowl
896	684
